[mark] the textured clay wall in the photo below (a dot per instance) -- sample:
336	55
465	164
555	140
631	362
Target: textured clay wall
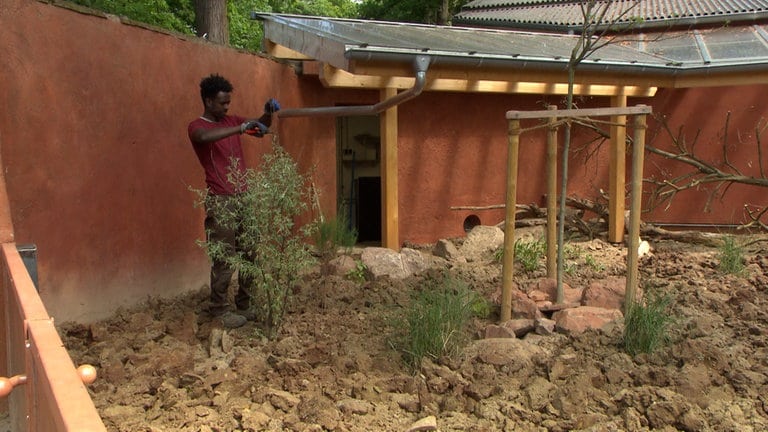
96	157
700	119
454	154
453	150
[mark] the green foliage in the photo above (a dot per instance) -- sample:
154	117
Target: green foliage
327	8
176	15
647	323
357	274
527	252
434	323
416	11
275	253
330	234
731	257
244	33
592	263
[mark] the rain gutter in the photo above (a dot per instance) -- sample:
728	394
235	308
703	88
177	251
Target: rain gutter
420	66
670	68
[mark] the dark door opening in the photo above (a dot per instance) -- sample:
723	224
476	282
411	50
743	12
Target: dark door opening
369	209
359	181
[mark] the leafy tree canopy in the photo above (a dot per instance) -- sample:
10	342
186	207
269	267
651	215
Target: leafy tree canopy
415	11
245	33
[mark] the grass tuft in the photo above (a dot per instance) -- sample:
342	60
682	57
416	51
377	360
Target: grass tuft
647	324
434	323
731	257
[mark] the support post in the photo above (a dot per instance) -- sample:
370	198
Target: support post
638	154
508	262
552	196
617	174
390	235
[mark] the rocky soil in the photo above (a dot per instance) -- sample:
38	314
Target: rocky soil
166	366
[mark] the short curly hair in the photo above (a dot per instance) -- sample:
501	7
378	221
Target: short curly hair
211	85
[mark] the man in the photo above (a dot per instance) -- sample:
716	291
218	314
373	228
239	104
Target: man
215	137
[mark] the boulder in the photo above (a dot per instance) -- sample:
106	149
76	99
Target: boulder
579	319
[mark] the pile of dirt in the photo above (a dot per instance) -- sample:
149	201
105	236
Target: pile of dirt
166	366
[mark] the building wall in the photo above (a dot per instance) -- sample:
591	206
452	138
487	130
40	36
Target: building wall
453	154
96	157
99	168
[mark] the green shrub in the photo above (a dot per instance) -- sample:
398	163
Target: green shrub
275	251
357	274
528	253
647	324
330	234
434	323
592	263
731	256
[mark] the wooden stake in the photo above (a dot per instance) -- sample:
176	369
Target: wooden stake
509	221
638	154
552	198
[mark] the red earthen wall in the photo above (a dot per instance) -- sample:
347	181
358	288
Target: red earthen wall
96	157
98	165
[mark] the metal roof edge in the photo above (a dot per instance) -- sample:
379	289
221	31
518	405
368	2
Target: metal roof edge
436	58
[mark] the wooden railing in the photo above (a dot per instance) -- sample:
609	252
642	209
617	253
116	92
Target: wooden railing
44	392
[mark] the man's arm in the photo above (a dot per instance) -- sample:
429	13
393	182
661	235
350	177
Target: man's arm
205	136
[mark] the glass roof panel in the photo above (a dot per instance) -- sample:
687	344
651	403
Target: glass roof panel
337	38
679	47
738	43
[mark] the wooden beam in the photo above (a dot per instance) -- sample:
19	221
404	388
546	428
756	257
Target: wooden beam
617	172
739	78
390	236
586	112
283	52
528	74
334	77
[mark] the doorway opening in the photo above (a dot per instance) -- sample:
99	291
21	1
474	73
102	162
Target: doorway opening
359	175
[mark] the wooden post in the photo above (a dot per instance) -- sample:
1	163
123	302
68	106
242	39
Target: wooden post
390	235
638	154
617	174
508	263
552	196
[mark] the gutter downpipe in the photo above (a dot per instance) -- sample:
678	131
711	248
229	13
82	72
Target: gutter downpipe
420	66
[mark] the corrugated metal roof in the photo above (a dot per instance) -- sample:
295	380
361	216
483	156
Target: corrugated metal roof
339	41
559	15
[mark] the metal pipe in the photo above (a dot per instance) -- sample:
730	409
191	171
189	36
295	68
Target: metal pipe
420	65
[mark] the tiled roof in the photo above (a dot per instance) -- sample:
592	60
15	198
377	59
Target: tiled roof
565	15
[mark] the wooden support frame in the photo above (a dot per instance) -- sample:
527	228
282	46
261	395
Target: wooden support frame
390	235
514	118
617	180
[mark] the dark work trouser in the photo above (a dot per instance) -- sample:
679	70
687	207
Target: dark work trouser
221	272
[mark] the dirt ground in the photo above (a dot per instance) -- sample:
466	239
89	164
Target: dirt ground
164	366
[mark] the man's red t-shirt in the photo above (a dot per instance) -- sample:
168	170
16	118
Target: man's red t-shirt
216	157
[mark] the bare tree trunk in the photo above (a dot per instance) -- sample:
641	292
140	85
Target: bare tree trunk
211	20
444	13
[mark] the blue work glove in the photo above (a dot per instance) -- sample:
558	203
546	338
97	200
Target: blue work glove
272	106
254	127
